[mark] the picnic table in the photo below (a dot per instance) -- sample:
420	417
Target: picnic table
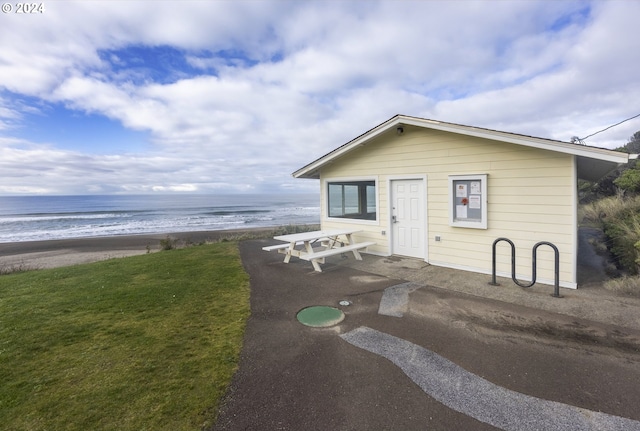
333	241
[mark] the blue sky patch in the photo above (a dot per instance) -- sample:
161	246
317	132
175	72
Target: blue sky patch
143	64
77	131
579	16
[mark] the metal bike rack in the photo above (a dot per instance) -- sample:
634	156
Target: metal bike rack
556	290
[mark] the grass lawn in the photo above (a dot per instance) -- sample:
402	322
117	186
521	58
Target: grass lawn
147	342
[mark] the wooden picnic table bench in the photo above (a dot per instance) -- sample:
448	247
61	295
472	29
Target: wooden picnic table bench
330	240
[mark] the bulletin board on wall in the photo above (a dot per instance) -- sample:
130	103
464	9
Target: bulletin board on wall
468	198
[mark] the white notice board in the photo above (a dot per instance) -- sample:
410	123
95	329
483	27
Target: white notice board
468	201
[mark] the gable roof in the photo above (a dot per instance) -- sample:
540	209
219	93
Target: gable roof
593	163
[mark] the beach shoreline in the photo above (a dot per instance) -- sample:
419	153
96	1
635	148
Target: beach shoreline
72	251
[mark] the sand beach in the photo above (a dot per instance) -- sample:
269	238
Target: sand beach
73	251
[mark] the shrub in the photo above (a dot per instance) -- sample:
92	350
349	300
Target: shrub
629	180
16	267
293	228
619	219
627	285
168	243
607	208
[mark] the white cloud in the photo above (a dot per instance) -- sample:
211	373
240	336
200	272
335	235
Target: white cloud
589	89
279	83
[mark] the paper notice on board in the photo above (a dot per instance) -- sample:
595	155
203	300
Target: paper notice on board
475	188
474	202
461	211
461	191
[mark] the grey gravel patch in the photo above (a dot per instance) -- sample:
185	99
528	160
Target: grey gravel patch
395	300
476	397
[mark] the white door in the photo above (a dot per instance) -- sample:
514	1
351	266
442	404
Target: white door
408	218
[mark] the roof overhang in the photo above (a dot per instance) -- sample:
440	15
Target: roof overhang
594	169
592	163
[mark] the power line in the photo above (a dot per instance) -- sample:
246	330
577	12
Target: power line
575	139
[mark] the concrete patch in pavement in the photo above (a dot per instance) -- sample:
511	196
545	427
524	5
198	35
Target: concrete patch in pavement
476	397
395	300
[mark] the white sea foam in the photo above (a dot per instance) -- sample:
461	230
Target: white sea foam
58	217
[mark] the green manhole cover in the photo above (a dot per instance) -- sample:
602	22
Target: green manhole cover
320	316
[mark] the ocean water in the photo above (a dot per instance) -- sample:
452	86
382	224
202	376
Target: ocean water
34	218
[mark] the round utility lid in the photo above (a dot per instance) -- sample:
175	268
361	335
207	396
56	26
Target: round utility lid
320	316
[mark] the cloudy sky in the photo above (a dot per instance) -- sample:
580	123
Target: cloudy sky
101	97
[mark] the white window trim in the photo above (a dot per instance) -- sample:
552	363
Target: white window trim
482	224
325	200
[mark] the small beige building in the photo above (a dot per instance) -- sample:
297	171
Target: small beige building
445	192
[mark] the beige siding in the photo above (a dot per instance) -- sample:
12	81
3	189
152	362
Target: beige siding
531	198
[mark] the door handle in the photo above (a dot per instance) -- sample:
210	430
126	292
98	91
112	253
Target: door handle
393	219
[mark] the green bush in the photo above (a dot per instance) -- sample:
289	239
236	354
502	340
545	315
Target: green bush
629	180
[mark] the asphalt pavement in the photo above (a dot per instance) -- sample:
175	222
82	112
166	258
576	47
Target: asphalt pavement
427	348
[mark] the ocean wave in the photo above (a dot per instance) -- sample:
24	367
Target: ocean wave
36	225
61	217
236	212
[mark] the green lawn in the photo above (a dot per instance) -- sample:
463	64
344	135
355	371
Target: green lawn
140	343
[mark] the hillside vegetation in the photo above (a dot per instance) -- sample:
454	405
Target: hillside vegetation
613	205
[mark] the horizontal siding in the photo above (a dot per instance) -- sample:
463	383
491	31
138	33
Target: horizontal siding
530	197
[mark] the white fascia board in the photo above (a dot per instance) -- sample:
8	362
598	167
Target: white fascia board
545	144
340	151
557	146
